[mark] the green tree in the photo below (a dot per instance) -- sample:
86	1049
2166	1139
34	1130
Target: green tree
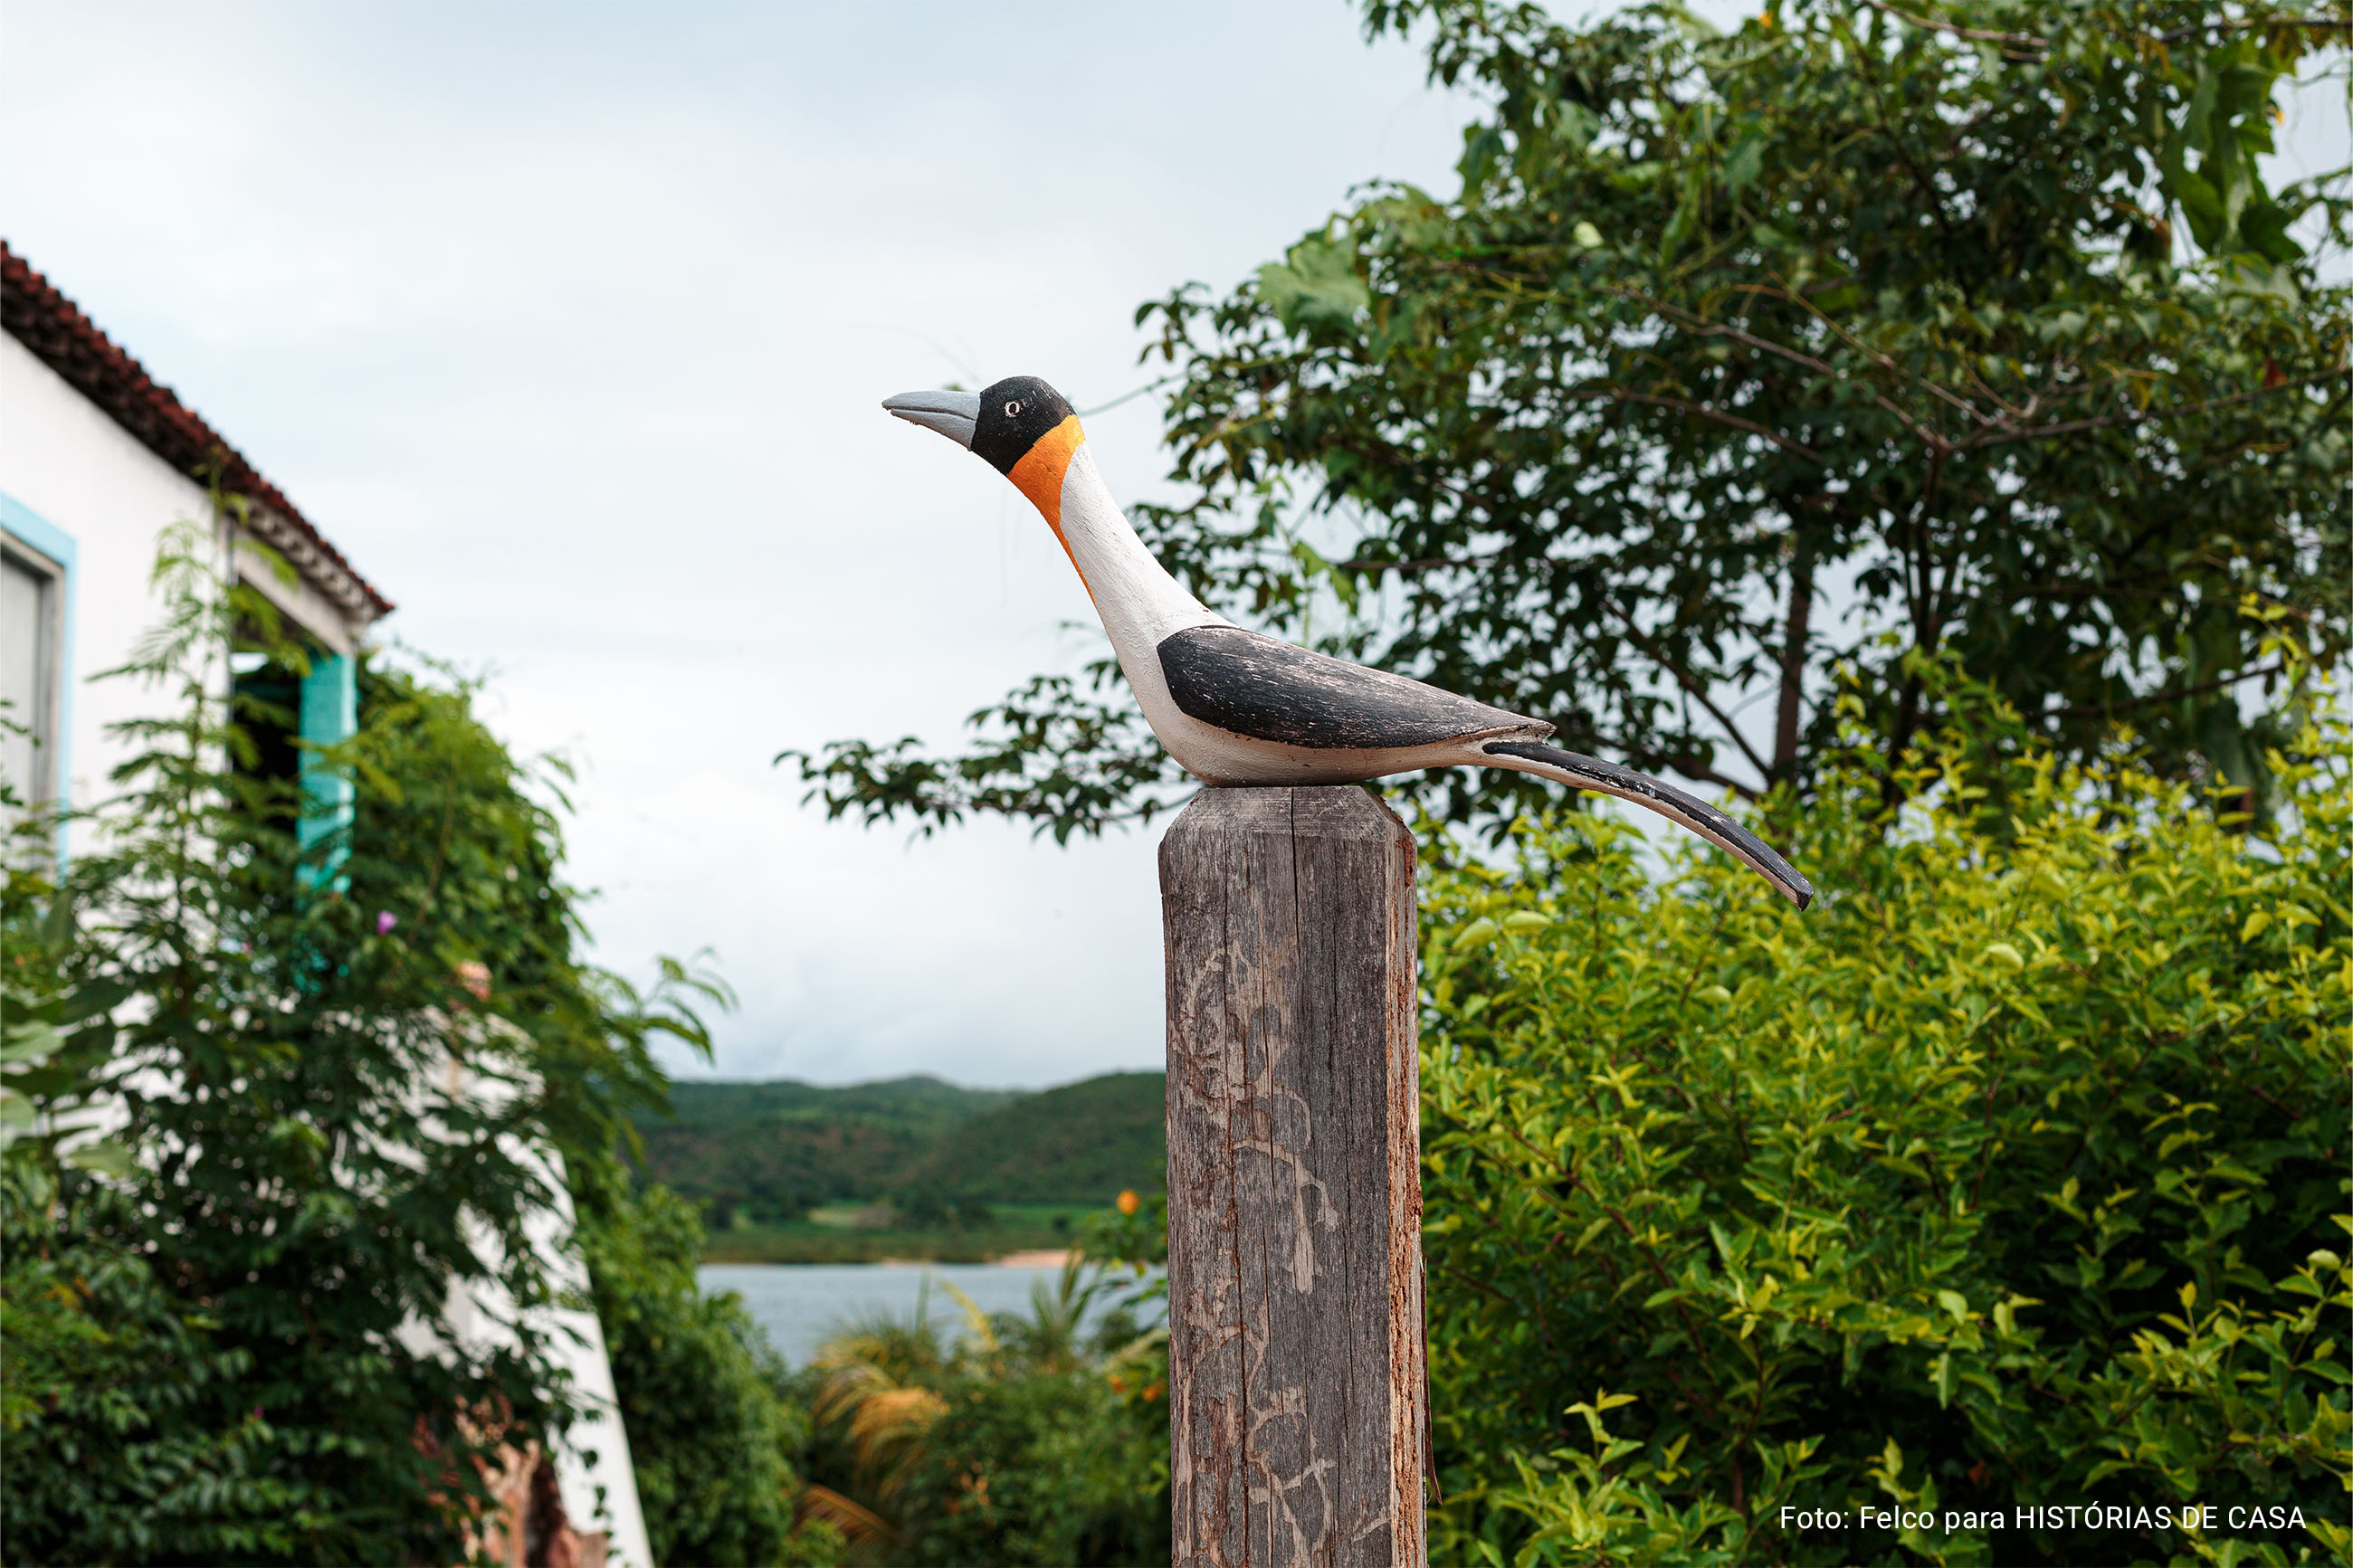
335	1071
711	1431
1861	333
2012	1175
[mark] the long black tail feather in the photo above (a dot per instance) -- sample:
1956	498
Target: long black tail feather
1608	778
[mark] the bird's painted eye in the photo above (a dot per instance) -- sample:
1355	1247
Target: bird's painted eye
1013	410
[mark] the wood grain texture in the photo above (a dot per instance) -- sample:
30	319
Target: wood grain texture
1294	1190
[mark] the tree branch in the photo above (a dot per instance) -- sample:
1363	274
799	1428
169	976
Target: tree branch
1976	34
1691	688
2240	24
2143	415
1793	660
1821	367
1884	361
2103	709
1708	411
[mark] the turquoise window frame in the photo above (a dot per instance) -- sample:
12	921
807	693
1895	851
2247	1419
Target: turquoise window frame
42	537
329	715
329	709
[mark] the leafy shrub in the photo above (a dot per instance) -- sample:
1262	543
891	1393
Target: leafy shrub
1042	1466
2012	1175
118	1444
1025	1439
712	1433
332	1064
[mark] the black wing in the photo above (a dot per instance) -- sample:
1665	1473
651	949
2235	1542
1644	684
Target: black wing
1270	690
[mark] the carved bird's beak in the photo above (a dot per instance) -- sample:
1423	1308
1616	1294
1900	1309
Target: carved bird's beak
952	413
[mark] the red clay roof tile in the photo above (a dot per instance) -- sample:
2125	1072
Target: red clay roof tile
55	329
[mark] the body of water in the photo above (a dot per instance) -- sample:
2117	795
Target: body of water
802	1304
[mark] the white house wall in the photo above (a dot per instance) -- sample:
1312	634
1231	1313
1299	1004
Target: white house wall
75	468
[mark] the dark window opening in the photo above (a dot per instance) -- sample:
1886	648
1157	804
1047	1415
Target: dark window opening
268	710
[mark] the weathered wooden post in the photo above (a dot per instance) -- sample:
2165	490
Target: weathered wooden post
1296	1385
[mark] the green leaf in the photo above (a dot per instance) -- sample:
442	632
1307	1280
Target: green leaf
1315	288
1481	929
1741	166
29	1041
108	1157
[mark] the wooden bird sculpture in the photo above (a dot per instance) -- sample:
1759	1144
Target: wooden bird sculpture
1236	707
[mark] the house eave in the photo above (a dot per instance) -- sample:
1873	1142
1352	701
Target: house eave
56	331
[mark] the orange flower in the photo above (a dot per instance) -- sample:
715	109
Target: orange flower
1129	1203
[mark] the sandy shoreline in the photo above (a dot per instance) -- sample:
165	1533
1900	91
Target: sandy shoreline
1041	1258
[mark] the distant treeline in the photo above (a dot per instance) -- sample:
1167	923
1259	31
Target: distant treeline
776	1150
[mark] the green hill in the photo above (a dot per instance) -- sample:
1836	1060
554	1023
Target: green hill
767	1154
778	1148
1079	1143
923	1103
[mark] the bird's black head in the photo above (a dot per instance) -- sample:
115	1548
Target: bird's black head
1026	429
1013	414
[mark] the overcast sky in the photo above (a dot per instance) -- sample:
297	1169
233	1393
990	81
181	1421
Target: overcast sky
567	323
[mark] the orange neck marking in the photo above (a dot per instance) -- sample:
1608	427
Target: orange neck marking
1039	472
1039	476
